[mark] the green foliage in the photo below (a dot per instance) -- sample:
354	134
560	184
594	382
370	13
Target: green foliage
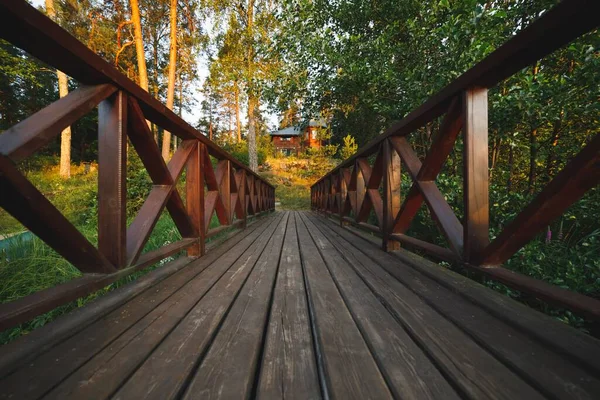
349	147
239	150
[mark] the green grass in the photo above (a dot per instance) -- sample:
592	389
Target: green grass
27	267
294	197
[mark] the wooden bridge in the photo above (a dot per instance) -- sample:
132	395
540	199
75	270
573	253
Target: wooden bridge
292	304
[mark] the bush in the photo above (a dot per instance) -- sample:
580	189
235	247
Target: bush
239	151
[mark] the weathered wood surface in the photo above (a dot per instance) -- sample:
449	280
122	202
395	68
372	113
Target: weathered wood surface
299	307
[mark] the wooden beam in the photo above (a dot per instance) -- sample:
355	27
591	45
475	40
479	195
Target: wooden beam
112	174
429	248
224	178
443	142
581	174
475	173
25	138
408	211
194	186
391	194
140	229
31	208
440	210
143	142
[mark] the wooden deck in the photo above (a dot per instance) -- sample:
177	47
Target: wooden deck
297	307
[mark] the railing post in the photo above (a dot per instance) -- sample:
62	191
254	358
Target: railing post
343	193
194	187
242	196
360	191
112	170
391	194
225	188
476	174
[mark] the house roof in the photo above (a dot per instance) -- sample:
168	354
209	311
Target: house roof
297	130
289	131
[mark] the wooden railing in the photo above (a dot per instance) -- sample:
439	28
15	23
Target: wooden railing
357	187
230	190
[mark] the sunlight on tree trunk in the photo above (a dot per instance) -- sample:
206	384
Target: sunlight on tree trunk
172	68
237	112
63	90
139	44
252	156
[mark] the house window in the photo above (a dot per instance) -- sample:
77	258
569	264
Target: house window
314	134
285	139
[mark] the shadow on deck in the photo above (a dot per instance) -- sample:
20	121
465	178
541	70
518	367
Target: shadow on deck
296	306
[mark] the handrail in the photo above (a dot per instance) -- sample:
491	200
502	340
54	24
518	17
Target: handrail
354	185
230	190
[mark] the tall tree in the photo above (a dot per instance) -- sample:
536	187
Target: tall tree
63	90
139	44
172	73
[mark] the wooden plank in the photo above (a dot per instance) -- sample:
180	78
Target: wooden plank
242	209
32	31
440	210
113	365
288	367
349	368
112	174
140	229
391	194
223	228
406	368
28	347
24	202
179	214
471	369
579	348
171	363
228	370
431	249
143	141
443	143
554	29
22	140
580	175
475	174
179	159
62	360
541	366
409	210
194	185
224	178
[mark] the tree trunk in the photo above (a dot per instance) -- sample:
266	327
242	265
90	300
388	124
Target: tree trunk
237	112
63	90
495	155
532	158
533	149
172	69
551	160
139	44
253	158
252	97
511	163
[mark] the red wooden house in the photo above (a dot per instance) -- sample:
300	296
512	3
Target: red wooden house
295	139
